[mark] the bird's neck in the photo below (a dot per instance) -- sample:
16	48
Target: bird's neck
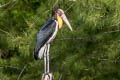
59	19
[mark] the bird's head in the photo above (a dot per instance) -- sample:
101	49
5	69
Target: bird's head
60	15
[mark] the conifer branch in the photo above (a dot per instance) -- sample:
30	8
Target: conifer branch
4	5
6	32
13	1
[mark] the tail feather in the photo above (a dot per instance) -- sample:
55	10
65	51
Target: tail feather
39	54
36	55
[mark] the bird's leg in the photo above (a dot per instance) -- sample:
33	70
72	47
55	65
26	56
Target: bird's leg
45	59
48	48
47	75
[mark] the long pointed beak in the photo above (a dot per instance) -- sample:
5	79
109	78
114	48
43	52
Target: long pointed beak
66	21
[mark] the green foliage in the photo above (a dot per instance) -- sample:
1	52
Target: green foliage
90	52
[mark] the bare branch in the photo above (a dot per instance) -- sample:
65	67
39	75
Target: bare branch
11	67
84	38
105	59
99	59
78	38
111	31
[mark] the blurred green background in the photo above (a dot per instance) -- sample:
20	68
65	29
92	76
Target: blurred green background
90	52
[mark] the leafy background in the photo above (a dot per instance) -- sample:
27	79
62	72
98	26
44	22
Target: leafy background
90	52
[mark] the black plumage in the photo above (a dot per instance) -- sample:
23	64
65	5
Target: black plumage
44	34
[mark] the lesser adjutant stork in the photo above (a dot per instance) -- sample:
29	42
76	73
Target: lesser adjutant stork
47	33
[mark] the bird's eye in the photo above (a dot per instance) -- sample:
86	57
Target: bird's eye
60	13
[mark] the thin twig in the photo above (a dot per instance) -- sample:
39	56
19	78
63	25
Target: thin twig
6	32
116	60
79	38
99	59
103	59
11	67
4	5
55	4
69	7
21	73
9	7
115	24
111	31
60	78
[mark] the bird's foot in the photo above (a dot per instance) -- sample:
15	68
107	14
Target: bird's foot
47	76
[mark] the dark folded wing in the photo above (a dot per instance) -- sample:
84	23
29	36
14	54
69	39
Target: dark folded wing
46	31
